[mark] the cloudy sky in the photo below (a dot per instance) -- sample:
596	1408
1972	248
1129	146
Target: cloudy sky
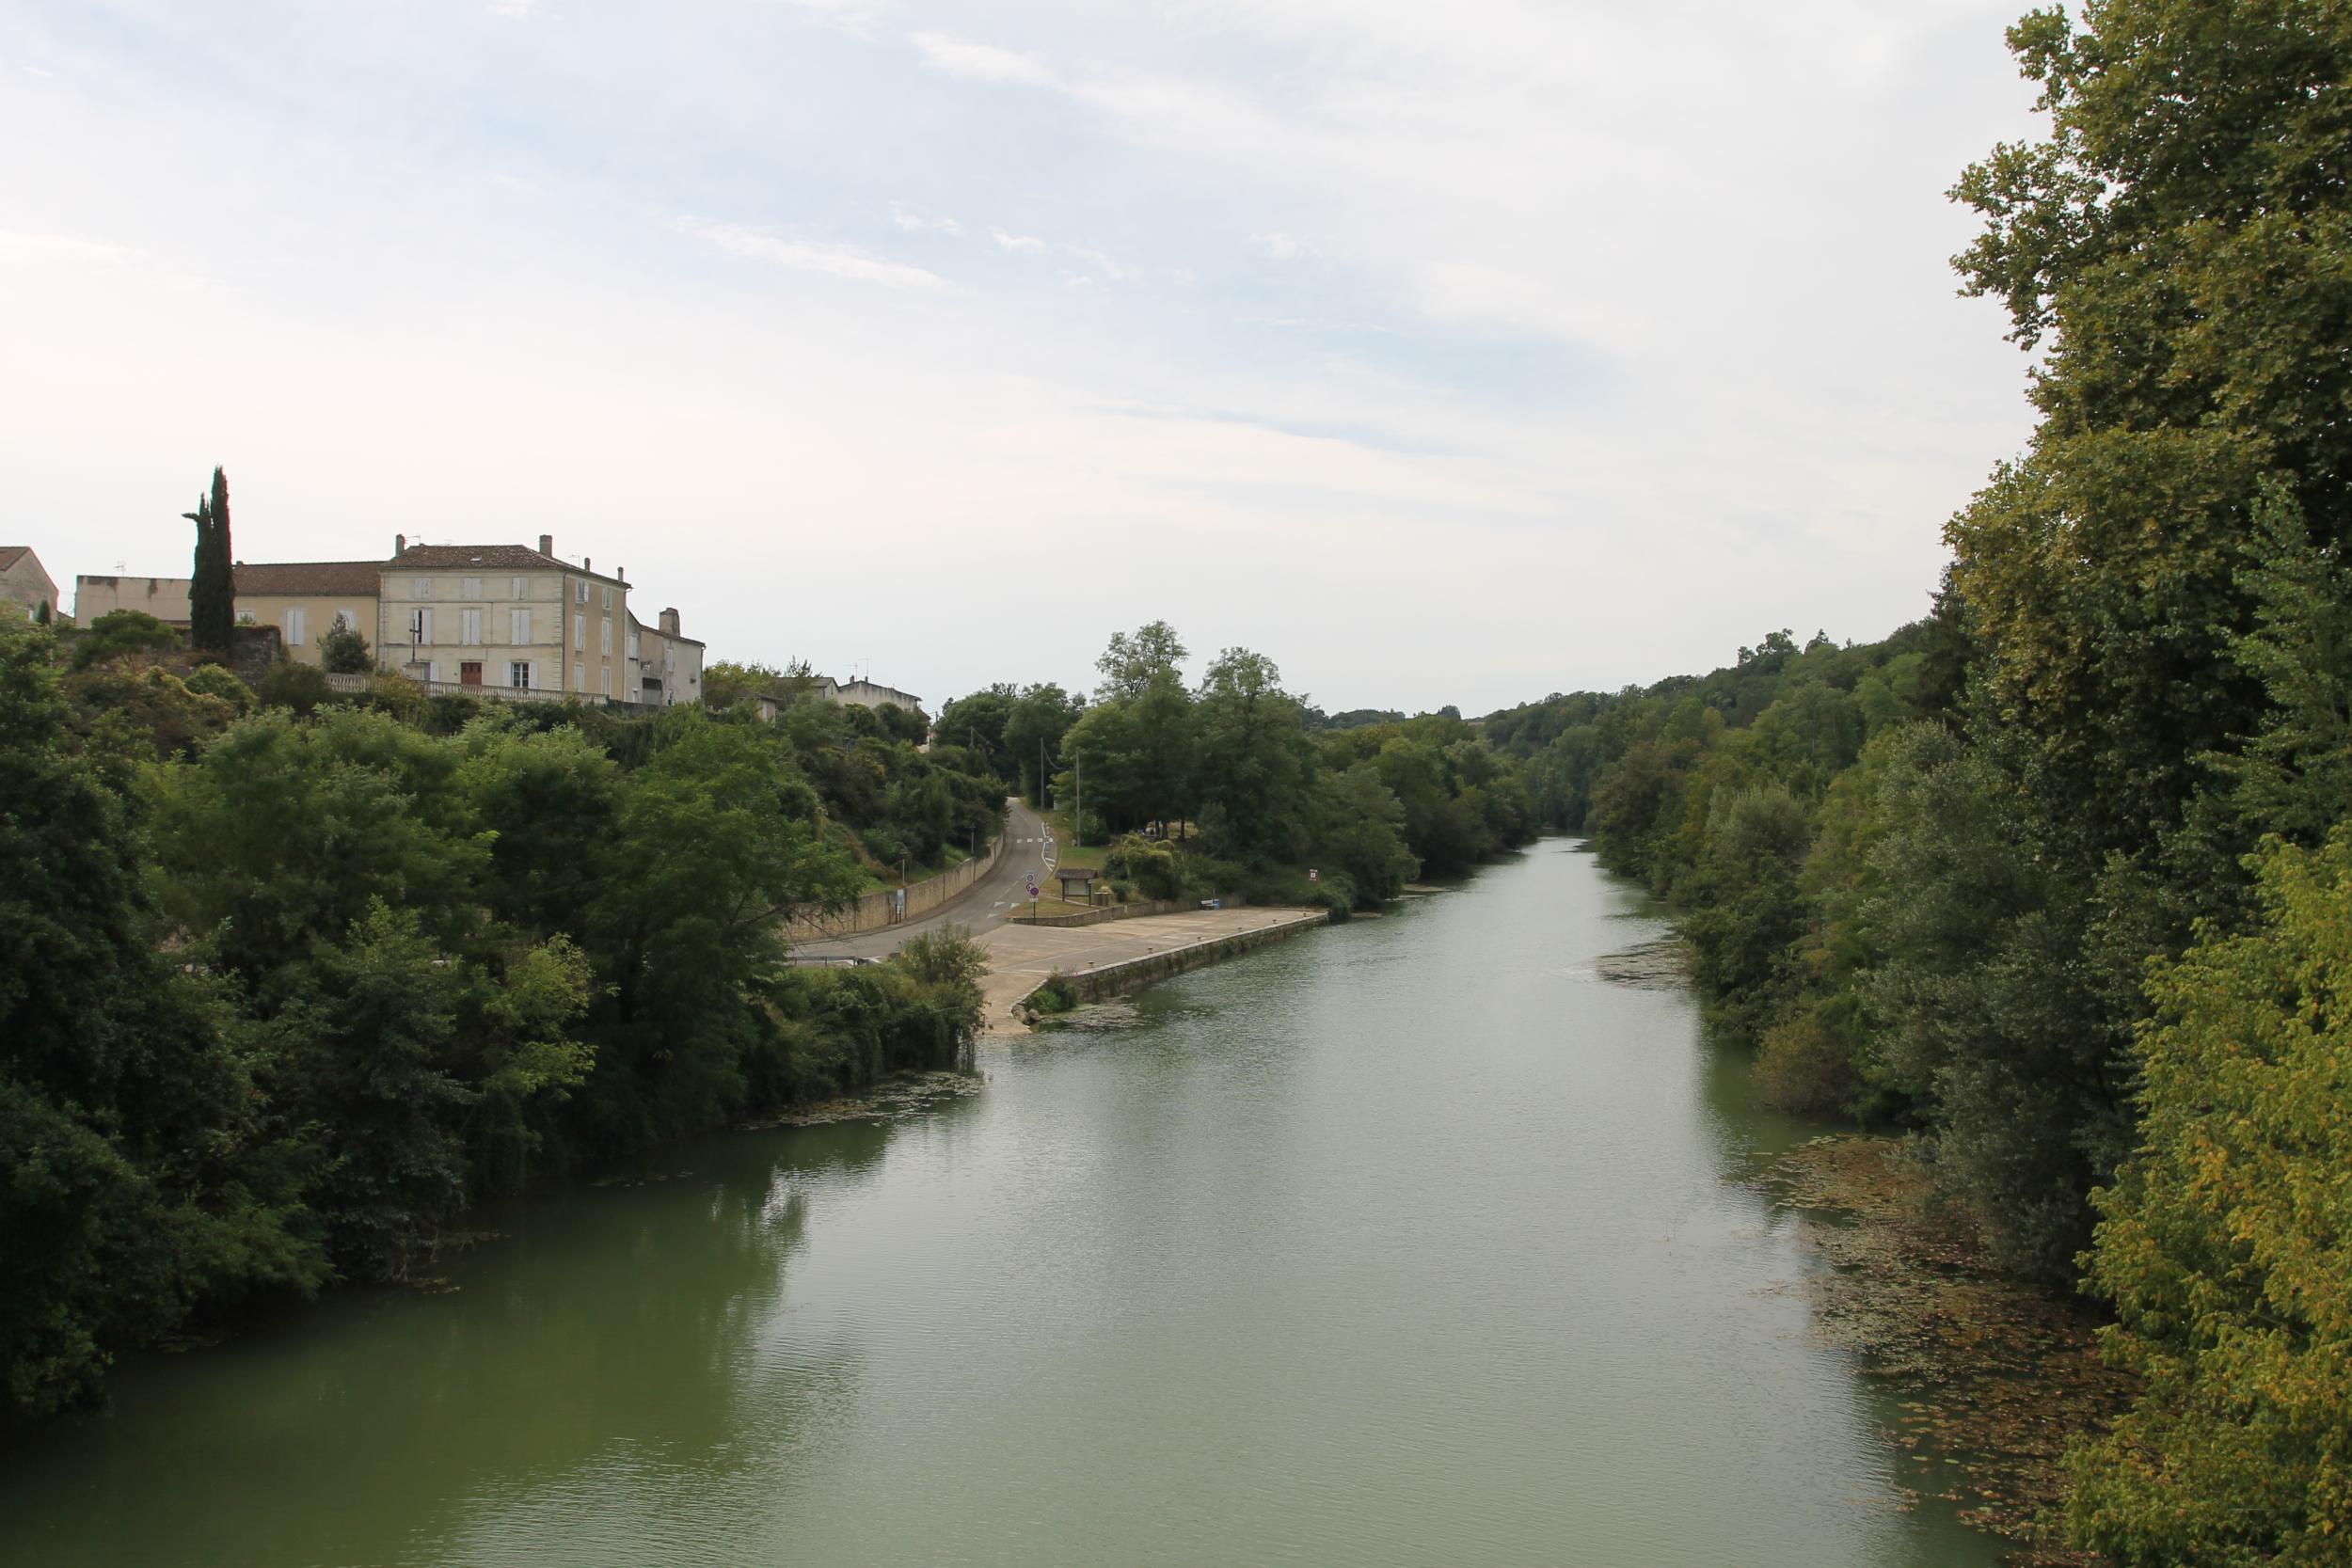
1447	352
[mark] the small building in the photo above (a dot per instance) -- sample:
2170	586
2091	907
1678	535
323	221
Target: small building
303	599
859	693
306	599
23	582
165	598
1080	878
665	664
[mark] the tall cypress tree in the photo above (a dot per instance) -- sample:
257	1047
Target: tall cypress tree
212	591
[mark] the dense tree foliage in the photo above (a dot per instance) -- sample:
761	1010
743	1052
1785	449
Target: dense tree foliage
286	994
1927	880
1239	771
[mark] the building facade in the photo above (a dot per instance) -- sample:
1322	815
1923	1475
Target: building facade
165	598
304	600
24	584
504	616
665	665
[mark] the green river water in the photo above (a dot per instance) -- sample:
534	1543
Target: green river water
1415	1241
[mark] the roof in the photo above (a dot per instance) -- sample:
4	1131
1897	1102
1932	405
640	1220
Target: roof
348	579
497	557
11	554
1079	873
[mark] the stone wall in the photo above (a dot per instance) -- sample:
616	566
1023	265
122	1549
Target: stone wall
880	909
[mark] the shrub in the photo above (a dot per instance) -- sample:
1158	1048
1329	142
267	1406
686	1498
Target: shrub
343	652
214	680
119	633
299	687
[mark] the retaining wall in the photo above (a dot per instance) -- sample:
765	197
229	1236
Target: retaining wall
1108	912
1118	979
874	911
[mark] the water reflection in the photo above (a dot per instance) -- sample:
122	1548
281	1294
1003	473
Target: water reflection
1405	1243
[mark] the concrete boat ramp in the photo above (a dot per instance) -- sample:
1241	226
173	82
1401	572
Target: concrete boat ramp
1121	956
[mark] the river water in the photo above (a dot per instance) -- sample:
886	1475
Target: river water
1416	1241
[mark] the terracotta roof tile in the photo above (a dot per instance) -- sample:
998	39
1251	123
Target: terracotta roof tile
11	554
495	557
352	579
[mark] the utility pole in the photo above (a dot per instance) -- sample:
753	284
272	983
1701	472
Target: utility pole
1078	817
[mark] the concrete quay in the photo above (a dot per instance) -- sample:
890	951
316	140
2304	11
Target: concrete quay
1121	955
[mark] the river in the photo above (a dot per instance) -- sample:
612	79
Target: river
1415	1240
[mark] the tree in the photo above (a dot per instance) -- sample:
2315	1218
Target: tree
343	652
123	634
1034	727
212	588
1254	760
2226	1246
1132	665
1363	837
126	1112
978	723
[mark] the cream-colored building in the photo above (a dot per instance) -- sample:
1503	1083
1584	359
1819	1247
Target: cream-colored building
665	664
506	617
23	582
165	598
303	599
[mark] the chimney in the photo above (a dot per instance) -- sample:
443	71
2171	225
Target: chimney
621	572
668	624
400	543
587	564
546	543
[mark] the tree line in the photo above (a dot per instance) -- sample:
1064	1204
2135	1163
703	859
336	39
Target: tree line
1250	779
292	985
2061	876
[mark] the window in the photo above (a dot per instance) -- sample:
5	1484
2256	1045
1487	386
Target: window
347	618
632	642
469	627
420	627
608	595
521	627
297	626
607	680
473	588
581	590
518	588
580	676
519	675
424	588
432	670
607	637
579	631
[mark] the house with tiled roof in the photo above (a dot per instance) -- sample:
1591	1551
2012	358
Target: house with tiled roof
301	598
24	584
507	617
494	619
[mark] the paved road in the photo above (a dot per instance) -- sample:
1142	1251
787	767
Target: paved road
1029	854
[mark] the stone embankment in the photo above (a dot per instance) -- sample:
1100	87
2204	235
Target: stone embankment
1123	955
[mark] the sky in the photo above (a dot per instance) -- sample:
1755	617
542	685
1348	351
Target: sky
1453	353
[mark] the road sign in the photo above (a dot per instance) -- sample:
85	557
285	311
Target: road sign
1032	890
1312	875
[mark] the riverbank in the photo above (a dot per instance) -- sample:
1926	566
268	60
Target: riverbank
1119	955
1995	1379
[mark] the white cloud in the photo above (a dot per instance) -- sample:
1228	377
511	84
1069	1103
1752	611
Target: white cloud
980	62
65	247
1280	247
914	222
1027	244
831	260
